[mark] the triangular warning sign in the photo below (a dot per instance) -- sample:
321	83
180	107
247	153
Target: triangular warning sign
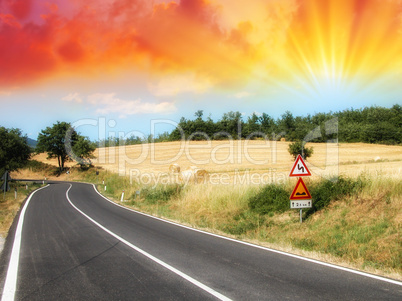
299	168
300	192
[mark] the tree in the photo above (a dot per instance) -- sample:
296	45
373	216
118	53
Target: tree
14	150
179	132
232	124
298	148
61	141
83	151
53	141
252	128
287	124
199	114
198	129
268	125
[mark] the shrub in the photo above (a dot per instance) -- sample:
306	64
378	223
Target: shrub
329	190
298	148
275	198
243	222
160	194
271	198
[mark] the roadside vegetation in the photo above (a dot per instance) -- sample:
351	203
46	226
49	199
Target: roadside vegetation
14	150
9	205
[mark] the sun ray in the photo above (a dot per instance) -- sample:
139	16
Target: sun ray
338	46
330	49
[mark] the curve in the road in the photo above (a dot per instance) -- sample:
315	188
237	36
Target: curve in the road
78	239
146	254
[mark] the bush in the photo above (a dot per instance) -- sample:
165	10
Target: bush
243	222
160	194
298	148
330	190
275	198
271	198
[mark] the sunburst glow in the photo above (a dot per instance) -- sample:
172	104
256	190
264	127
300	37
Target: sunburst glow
339	47
314	49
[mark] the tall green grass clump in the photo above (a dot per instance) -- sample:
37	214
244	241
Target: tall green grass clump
243	222
160	193
271	198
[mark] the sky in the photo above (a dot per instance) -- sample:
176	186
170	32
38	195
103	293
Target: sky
123	67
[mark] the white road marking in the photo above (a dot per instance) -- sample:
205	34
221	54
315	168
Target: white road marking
12	272
261	247
167	266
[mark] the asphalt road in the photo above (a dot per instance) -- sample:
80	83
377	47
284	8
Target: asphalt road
76	245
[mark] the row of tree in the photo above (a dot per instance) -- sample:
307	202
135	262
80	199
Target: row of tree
370	125
60	141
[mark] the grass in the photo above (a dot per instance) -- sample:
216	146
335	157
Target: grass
271	198
9	205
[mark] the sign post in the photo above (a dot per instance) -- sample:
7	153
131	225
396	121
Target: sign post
300	197
6	186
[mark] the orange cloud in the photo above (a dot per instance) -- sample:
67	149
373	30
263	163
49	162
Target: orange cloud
122	34
224	42
25	51
20	8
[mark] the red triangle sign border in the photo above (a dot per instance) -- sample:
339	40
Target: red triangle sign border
293	195
292	172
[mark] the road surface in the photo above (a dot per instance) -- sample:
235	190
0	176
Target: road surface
70	243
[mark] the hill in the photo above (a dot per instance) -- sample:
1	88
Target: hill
32	143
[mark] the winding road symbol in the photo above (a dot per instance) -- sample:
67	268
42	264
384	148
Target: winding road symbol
299	168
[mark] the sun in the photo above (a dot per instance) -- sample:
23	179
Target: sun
340	50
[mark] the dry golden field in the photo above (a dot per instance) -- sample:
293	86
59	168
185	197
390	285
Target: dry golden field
266	160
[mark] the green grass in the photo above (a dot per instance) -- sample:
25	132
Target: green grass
271	198
160	194
242	223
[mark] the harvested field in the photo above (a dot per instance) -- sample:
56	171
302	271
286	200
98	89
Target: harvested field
226	160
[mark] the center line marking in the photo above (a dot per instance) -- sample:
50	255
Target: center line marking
164	264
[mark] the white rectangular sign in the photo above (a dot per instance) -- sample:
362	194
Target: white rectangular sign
301	204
